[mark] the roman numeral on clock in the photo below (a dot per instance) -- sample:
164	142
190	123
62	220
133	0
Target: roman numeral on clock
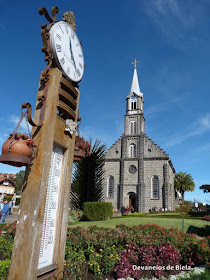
62	61
68	70
61	29
67	31
58	48
58	36
78	72
80	65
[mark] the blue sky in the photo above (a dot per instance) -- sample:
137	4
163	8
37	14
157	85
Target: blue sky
170	38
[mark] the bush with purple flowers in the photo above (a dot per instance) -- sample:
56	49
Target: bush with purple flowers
158	256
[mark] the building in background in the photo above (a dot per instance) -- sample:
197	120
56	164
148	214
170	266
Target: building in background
138	173
8	175
7	186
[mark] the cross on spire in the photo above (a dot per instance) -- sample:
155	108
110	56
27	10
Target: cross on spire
135	62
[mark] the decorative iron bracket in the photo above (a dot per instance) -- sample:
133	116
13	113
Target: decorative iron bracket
29	112
54	10
46	39
41	106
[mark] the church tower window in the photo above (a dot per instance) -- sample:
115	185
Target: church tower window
132	150
155	188
132	127
110	188
133	105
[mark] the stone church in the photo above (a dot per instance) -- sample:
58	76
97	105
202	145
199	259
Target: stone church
138	172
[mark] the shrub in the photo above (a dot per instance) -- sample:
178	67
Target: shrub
7	197
208	239
159	256
4	269
10	228
124	267
96	211
6	245
197	214
75	215
206	218
173	216
137	214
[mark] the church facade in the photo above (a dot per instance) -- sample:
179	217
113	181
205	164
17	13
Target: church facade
138	173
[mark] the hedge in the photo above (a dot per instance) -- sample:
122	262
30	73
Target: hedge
197	214
7	197
136	215
172	216
4	269
96	211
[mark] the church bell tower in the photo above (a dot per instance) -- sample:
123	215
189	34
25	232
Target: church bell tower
134	118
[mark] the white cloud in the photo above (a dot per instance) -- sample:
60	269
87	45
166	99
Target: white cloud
200	126
176	20
160	107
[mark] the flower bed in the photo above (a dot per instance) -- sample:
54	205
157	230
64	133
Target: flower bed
107	253
103	253
197	273
206	218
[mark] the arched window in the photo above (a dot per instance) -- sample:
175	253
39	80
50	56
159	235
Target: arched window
132	127
110	188
132	150
155	188
133	105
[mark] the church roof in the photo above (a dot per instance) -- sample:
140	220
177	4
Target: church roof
135	84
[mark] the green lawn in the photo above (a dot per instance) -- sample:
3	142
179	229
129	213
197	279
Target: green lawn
190	225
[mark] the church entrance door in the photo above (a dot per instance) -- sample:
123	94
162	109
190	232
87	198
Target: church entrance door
132	201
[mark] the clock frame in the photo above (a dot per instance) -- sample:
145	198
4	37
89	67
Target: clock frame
67	51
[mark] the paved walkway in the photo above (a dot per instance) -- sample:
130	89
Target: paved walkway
11	218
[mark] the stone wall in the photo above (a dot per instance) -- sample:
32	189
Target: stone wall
112	168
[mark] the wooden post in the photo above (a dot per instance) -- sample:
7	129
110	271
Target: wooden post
40	239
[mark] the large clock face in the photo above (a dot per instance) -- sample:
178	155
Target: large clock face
67	50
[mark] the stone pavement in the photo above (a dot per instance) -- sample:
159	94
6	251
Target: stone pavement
11	218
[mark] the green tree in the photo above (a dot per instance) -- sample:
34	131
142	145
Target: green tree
19	180
205	188
87	179
183	182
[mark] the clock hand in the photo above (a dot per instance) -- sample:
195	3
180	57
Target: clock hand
67	57
72	56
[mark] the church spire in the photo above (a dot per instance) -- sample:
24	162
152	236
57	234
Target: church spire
135	99
135	89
